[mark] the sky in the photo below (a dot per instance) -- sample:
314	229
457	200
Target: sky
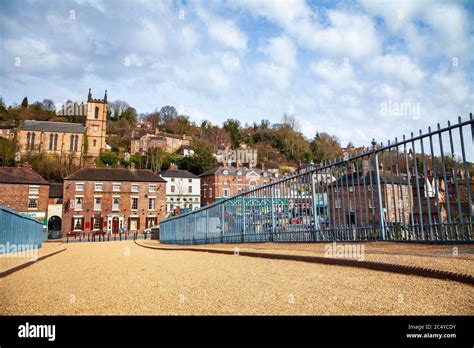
358	70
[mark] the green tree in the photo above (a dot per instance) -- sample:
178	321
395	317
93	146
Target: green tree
325	147
235	132
24	103
203	158
107	159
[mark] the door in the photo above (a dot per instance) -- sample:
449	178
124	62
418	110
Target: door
115	225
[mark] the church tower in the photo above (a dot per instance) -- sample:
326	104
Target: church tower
96	119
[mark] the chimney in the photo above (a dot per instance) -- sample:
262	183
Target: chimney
173	166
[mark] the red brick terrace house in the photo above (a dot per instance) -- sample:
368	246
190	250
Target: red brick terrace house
223	182
112	200
24	190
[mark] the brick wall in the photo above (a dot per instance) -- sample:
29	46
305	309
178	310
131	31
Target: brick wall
125	200
16	197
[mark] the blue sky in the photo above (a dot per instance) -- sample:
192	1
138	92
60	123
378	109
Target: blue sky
358	70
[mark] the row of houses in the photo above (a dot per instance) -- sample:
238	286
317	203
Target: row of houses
115	200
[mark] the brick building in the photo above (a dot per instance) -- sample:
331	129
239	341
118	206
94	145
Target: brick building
223	182
168	142
7	131
112	199
353	197
25	191
55	209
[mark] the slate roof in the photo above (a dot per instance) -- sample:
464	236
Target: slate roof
49	126
20	175
385	177
115	174
55	190
177	173
232	171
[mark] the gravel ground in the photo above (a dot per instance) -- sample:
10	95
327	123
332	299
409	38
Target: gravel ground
123	278
10	260
454	258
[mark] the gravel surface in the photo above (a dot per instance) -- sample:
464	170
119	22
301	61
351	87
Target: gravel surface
454	258
10	260
123	278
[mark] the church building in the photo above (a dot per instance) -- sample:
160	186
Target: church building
74	142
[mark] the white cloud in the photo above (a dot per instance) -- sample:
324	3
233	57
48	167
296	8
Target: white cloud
337	76
278	75
227	34
398	67
281	51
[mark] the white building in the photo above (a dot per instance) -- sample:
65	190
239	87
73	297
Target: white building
183	190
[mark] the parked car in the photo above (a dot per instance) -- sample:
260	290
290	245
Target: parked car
154	231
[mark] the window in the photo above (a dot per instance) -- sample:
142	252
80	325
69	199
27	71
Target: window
134	203
97	203
370	187
225	172
55	142
172	188
98	187
78	203
96	113
133	223
32	202
152	188
71	143
150	221
95	128
80	187
172	179
226	182
265	174
94	143
33	190
371	203
225	193
76	142
204	191
338	204
116	187
190	180
51	141
78	223
210	192
97	224
151	203
239	173
115	203
252	184
190	189
32	145
28	140
137	145
351	205
135	188
351	188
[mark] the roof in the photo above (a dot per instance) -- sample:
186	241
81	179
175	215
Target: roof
2	126
49	126
115	174
20	175
357	178
55	190
235	171
177	173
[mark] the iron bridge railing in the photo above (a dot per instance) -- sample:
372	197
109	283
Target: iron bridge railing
416	189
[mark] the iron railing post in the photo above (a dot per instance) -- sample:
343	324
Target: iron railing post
379	192
315	198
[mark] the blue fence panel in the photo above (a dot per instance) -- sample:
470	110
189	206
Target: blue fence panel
19	232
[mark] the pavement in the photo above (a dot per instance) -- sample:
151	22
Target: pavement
124	278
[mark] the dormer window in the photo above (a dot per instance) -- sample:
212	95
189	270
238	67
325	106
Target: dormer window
264	174
239	173
225	172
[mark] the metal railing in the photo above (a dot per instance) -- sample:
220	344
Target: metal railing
18	232
418	189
